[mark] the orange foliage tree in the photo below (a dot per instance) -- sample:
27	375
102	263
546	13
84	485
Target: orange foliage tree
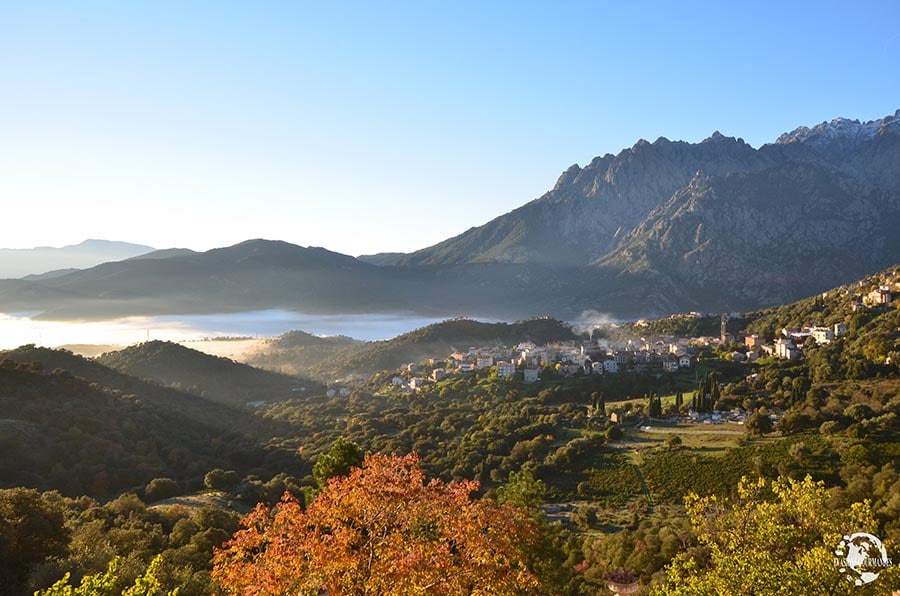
382	530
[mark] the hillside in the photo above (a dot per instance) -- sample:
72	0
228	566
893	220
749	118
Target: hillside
186	405
211	377
63	432
617	489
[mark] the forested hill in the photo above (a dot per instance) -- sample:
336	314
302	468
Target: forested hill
211	377
220	416
433	341
63	432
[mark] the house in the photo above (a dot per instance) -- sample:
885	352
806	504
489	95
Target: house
684	361
505	369
531	375
466	366
753	341
785	348
438	374
822	335
409	367
839	329
879	296
610	366
616	416
597	368
670	364
484	361
398	381
416	383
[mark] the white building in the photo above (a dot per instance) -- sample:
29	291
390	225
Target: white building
505	369
531	375
822	335
785	348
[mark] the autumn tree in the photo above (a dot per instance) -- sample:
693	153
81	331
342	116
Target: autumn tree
382	529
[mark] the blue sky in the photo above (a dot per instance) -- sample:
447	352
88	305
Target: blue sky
388	126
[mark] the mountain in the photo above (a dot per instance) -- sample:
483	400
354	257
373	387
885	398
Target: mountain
708	226
591	208
15	263
256	274
753	238
661	227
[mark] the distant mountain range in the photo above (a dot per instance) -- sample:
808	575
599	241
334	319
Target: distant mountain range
660	227
15	263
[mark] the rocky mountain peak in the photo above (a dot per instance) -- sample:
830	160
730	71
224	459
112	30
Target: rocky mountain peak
842	131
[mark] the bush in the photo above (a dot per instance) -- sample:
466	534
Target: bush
161	488
614	433
673	441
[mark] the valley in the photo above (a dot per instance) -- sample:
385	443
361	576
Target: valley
606	454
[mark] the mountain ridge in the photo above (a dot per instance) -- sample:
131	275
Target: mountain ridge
657	227
21	262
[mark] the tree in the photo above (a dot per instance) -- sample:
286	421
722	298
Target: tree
758	423
523	490
341	458
777	537
382	529
223	480
32	528
104	583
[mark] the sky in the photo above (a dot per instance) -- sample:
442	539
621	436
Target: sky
371	127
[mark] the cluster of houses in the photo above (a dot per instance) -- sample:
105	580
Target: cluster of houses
604	356
790	345
567	359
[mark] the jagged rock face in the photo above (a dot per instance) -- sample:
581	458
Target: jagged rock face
755	238
593	210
